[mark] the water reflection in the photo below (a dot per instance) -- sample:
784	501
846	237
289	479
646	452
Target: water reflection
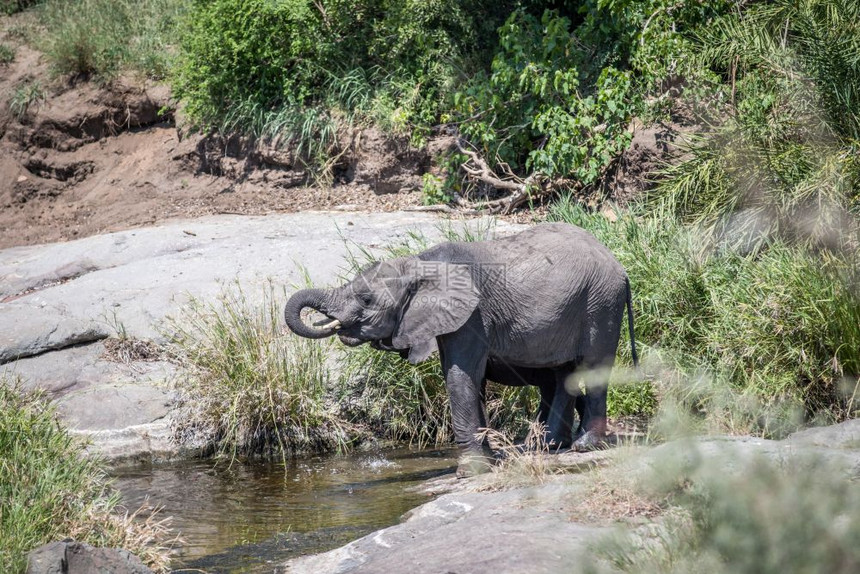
242	517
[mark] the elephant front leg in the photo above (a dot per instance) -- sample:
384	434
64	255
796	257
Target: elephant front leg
464	381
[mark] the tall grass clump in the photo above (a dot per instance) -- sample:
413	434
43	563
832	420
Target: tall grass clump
248	388
762	517
102	38
778	328
50	489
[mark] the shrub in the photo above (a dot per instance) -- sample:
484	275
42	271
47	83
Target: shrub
248	388
798	515
25	96
565	83
50	489
260	63
784	161
7	54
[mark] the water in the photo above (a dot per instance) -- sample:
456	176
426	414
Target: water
248	517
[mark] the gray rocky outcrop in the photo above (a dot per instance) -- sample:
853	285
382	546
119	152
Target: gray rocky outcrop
69	557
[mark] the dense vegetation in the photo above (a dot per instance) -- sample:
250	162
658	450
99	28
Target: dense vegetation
49	490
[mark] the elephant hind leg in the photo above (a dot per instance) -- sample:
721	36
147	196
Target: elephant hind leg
591	434
560	420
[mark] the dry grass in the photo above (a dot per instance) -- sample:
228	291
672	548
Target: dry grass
128	350
525	464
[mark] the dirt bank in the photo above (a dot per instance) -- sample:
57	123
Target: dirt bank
78	159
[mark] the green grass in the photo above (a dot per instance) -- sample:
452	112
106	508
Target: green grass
24	97
7	54
50	489
248	387
103	38
777	329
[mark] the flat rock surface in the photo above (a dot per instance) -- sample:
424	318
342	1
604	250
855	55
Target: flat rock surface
58	301
521	530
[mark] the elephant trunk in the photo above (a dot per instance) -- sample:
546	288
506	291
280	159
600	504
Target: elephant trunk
313	299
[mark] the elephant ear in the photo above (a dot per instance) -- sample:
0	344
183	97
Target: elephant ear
443	297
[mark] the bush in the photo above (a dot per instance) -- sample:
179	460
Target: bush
784	162
565	83
7	54
51	490
797	515
248	388
257	66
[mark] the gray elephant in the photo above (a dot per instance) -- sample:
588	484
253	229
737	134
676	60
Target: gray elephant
531	308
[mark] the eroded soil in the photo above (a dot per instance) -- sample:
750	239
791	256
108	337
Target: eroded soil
81	159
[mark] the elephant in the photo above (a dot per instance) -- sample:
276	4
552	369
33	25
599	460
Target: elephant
530	308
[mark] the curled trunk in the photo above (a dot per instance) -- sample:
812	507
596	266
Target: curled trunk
313	299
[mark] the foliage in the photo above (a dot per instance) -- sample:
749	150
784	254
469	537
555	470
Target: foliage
565	83
798	515
779	327
50	489
785	163
433	190
102	38
531	112
259	62
248	388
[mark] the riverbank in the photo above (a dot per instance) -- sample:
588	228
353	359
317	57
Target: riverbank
620	511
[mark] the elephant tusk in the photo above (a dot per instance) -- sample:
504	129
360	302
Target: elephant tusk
333	324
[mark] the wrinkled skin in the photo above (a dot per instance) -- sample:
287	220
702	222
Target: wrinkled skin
533	308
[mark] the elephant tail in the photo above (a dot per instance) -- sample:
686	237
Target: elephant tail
630	324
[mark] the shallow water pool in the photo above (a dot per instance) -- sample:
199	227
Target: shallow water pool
250	517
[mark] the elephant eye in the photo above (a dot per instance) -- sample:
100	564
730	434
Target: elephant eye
365	298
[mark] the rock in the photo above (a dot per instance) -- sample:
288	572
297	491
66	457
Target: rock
523	530
69	557
35	329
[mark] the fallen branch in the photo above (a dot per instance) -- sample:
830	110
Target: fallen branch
477	169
